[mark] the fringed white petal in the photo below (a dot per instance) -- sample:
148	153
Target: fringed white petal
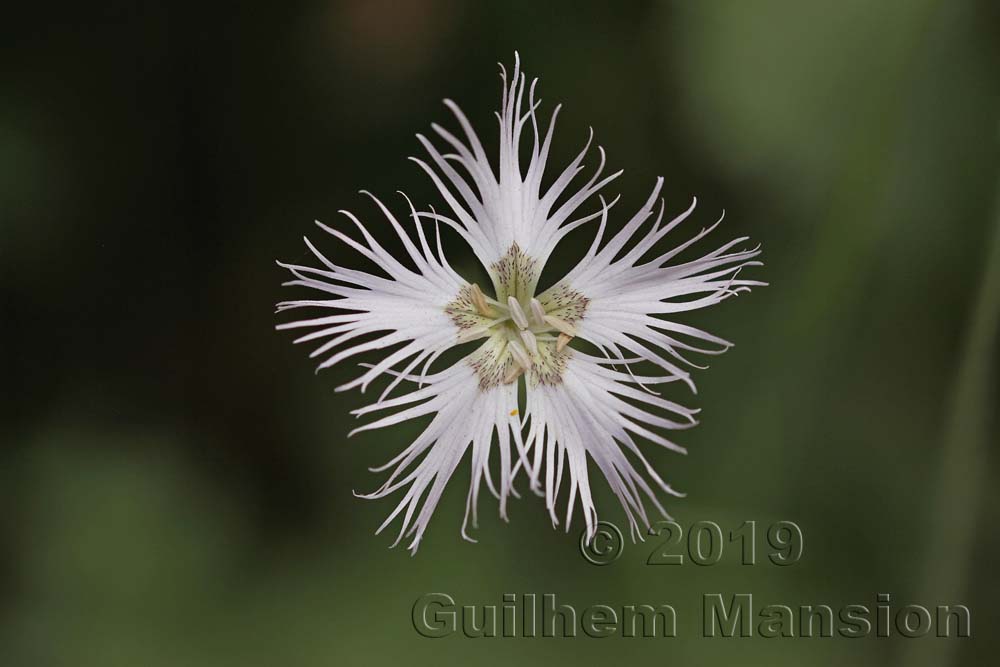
463	417
627	294
494	210
404	310
587	415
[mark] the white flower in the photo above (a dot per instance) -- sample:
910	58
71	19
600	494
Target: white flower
577	406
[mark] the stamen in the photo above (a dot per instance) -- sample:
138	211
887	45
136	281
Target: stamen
479	301
514	334
514	373
475	332
537	313
517	314
560	324
519	353
529	341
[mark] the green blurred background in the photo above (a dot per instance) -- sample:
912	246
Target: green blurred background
177	481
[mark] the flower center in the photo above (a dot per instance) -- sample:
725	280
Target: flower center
525	334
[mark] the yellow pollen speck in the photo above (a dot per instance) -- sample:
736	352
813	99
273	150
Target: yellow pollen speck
513	413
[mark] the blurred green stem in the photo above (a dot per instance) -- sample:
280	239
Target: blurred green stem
956	503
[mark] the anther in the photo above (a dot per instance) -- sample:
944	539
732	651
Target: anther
519	353
529	341
513	373
537	313
561	325
479	302
517	314
475	332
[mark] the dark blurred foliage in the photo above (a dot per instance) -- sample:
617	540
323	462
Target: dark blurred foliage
178	481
